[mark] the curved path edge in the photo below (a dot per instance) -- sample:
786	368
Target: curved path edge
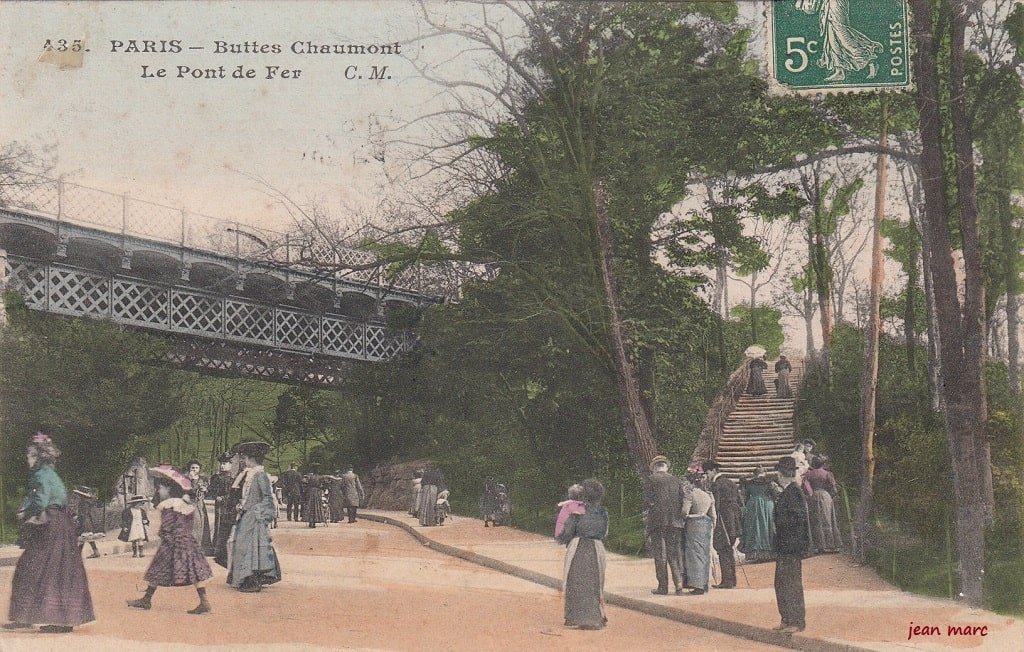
732	628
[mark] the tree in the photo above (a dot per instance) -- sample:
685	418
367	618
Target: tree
961	324
107	394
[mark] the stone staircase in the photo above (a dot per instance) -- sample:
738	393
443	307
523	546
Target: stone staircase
760	429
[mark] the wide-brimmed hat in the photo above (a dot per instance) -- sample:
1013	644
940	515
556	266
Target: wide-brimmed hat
169	472
660	459
786	465
85	492
136	499
253	448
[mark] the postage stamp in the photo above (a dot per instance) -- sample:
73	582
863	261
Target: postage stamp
839	45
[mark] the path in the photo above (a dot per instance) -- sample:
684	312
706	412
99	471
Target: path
364	586
847	605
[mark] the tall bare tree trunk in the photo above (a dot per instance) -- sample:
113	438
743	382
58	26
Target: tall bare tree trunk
960	334
1013	334
975	324
639	433
872	333
931	317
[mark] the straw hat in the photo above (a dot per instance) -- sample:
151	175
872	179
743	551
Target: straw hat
660	459
169	472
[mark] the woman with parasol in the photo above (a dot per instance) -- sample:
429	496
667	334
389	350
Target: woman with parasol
757	365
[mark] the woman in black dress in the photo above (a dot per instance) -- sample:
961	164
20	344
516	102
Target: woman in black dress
585	561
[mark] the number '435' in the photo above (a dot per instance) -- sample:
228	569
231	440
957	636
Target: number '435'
62	45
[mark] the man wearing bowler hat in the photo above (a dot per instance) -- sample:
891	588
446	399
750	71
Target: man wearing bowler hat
664	495
792	542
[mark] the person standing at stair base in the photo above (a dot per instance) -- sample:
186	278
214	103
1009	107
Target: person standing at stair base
699	508
792	542
729	506
664	495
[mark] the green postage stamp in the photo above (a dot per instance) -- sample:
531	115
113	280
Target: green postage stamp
839	45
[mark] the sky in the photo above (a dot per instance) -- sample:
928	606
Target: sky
210	144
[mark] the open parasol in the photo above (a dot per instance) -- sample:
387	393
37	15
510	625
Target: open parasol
755	351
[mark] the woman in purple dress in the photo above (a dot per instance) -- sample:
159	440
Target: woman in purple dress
49	583
179	560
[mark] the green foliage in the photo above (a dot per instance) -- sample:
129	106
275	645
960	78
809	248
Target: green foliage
913	483
106	393
765	321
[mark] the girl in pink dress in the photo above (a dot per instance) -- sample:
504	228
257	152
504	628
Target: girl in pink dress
179	560
574	505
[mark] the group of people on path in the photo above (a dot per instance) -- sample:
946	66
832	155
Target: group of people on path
322	499
762	489
783	516
50	586
239	540
683	522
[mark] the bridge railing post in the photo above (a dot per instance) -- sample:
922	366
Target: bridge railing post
60	200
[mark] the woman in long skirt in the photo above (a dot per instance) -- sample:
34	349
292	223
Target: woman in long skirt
700	524
783	368
432	484
585	561
314	511
200	488
253	562
821	507
49	584
755	384
758	517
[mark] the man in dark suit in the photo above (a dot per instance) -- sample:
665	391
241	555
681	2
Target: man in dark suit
291	487
792	542
730	511
352	493
664	495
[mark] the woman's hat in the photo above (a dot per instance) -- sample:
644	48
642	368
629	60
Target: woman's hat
225	457
660	459
253	448
85	492
136	499
169	472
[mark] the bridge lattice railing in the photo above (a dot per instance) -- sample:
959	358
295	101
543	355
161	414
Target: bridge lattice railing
129	216
75	292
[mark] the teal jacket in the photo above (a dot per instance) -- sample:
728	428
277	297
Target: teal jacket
45	488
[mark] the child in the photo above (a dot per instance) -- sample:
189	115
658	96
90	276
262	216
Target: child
179	560
134	525
574	505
